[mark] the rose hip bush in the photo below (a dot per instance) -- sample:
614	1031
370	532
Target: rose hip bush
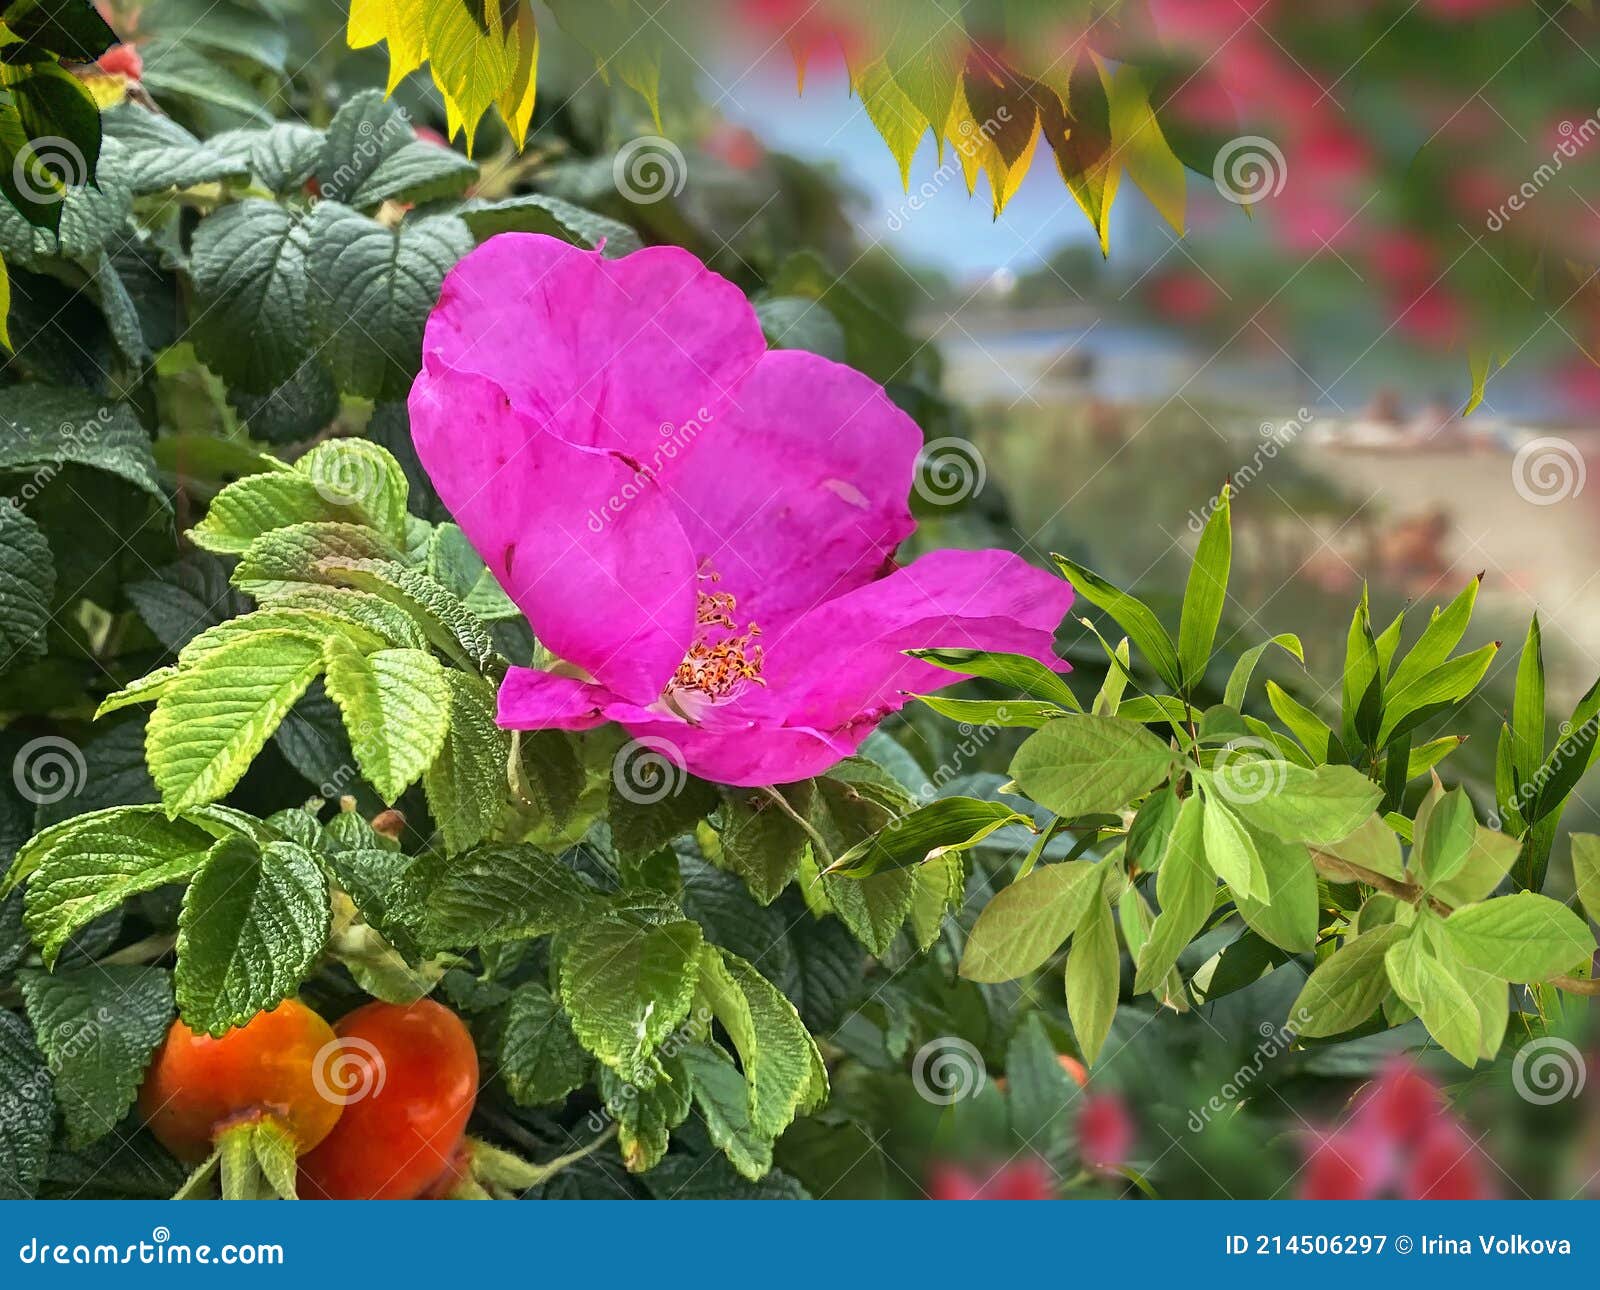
478	697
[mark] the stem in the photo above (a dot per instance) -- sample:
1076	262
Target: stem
1344	871
146	951
824	855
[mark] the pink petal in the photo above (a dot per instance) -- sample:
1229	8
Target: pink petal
843	663
800	494
602	353
610	589
744	753
535	700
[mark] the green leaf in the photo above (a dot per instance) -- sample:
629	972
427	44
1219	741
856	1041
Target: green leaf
27	584
1206	593
540	213
944	826
27	1116
1362	689
1314	734
254	921
1231	854
1445	838
89	865
1132	615
1298	805
541	1060
1289	919
249	270
1347	986
1186	889
1528	707
1586	870
1434	691
762	843
372	155
1093	975
724	1099
372	290
281	157
45	427
1524	937
1446	1007
780	1060
1090	765
1443	633
1027	714
467	783
1245	668
1373	846
213	718
645	1115
875	908
627	986
1028	921
159	154
342	482
1489	859
396	708
1021	673
98	1027
448	624
499	893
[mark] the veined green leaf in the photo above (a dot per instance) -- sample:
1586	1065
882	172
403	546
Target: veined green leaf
1028	921
396	708
946	825
1131	614
1207	590
1525	937
1347	986
1087	765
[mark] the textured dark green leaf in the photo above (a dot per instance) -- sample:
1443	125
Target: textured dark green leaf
372	289
27	583
495	894
254	921
627	986
98	1027
27	1114
541	1060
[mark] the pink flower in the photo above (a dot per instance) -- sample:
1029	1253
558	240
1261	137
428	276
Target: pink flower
1446	1166
1028	1179
1353	1164
1105	1130
700	530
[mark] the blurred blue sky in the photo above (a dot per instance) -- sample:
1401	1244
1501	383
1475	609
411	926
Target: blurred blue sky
951	231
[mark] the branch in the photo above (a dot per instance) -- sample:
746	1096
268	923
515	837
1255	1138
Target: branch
1344	871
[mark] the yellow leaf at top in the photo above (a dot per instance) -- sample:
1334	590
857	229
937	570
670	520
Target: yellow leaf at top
5	305
472	65
399	23
1139	146
892	113
516	100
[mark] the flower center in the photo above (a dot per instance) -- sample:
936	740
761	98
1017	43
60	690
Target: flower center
724	657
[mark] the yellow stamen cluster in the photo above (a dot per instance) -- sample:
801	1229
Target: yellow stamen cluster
718	668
